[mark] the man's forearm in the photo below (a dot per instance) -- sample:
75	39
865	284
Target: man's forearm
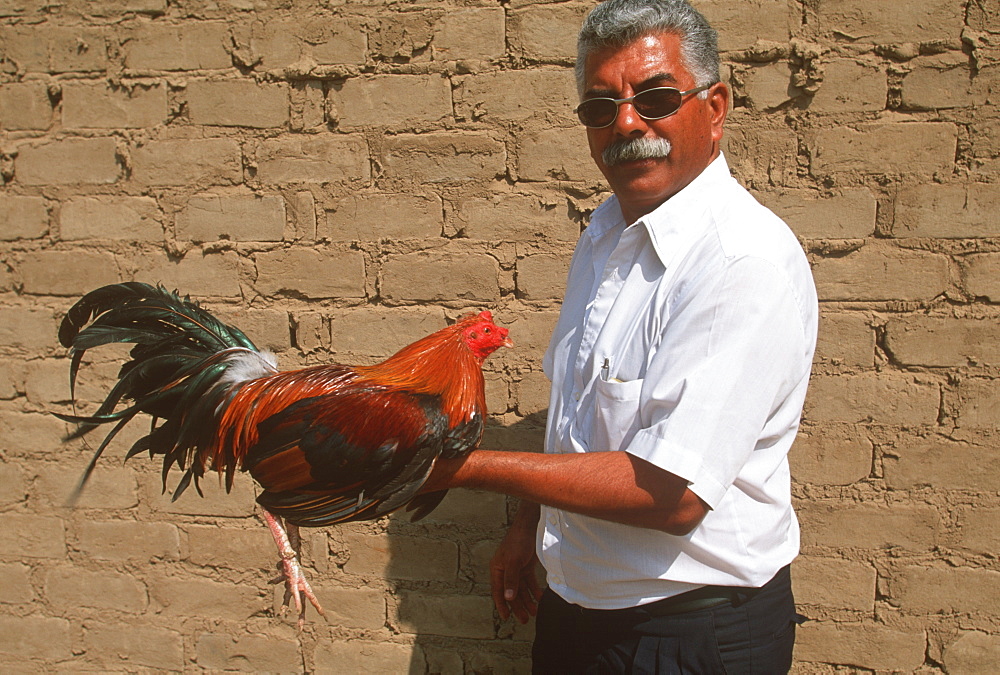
612	486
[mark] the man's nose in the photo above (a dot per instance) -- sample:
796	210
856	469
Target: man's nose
628	123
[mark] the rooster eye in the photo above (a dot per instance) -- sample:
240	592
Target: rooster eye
486	330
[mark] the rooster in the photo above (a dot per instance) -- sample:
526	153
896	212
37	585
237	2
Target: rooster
328	444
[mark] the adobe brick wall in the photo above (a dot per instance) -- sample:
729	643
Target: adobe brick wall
340	178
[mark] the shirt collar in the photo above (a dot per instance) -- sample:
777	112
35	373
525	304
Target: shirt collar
675	220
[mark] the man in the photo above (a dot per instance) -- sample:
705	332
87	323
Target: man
661	509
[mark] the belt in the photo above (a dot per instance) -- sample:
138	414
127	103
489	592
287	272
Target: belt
696	600
705	597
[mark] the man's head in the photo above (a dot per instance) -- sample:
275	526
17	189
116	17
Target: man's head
627	47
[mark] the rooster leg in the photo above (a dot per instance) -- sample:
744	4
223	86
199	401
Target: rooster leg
296	586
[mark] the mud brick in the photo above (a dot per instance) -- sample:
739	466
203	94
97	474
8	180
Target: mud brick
69	587
514	217
869	526
466	616
882	273
25	105
208	217
831	456
850	86
972	652
126	647
963	590
312	159
248	652
396	556
875	647
197	161
943	464
392	100
121	218
29	536
885	148
375	217
22	218
542	276
312	273
919	21
517	95
473	33
889	398
198	598
546	32
35	637
87	106
71	161
834	583
128	540
193	46
238	103
441	276
356	656
444	157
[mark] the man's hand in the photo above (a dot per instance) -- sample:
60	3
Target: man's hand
512	570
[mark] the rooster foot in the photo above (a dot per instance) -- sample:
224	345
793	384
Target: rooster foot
288	542
296	587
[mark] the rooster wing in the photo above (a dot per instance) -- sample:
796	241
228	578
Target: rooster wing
356	452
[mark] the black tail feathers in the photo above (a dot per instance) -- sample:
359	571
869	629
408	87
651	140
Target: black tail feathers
173	374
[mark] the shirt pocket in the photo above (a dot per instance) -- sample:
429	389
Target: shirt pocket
616	413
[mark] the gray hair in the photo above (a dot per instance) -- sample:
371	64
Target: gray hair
616	23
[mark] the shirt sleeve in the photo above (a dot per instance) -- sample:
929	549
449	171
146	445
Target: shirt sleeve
731	353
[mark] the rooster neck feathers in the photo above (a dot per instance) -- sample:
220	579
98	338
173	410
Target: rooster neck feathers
441	364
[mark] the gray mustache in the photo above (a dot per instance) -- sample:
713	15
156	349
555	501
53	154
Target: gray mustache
635	148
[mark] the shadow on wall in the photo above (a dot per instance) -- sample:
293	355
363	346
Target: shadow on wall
439	572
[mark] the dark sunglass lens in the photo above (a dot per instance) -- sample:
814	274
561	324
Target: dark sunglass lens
655	103
597	112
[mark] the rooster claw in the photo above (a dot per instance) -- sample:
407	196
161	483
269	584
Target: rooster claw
290	571
296	587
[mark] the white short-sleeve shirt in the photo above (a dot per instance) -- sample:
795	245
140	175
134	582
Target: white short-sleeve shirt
685	339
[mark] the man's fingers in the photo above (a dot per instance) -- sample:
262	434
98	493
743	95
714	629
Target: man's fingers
497	591
513	584
523	600
524	606
514	592
519	609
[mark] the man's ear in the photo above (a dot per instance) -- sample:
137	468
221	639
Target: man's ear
718	103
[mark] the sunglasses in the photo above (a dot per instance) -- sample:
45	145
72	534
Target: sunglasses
651	104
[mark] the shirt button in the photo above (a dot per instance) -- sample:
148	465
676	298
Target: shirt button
576	395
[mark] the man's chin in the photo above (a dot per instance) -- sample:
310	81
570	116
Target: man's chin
641	184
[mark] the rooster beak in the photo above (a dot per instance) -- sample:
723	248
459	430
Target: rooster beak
507	342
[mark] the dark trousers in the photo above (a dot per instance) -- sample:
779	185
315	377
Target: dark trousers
752	633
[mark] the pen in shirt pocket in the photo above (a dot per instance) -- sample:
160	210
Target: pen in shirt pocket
606	372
